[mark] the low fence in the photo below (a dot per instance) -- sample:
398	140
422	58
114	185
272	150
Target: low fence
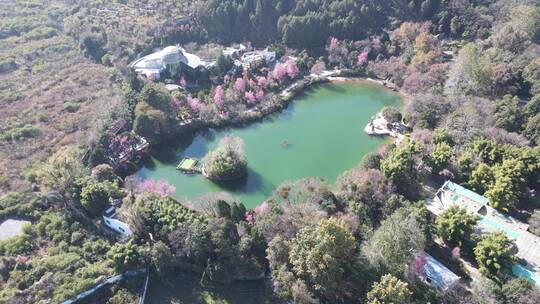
110	281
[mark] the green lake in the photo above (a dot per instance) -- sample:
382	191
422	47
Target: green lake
319	134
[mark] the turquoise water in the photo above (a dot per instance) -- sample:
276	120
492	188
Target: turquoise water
525	273
497	226
319	134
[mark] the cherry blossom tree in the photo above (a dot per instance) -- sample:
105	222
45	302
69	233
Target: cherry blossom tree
279	72
292	69
21	260
250	97
456	252
239	85
318	68
175	104
336	51
259	95
362	59
194	104
262	81
262	208
121	144
251	83
159	187
183	82
417	265
249	218
218	97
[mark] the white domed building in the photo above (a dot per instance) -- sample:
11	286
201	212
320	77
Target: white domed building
173	60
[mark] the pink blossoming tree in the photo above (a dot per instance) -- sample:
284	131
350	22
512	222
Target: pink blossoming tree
218	97
336	51
121	144
260	95
194	104
239	85
279	72
175	104
159	187
262	208
292	69
456	252
362	59
250	97
417	265
262	82
183	82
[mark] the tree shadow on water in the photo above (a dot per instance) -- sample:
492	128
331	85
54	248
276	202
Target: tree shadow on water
251	183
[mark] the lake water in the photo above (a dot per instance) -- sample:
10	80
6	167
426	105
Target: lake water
319	134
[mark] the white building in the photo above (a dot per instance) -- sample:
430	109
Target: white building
110	220
173	58
263	56
436	275
527	244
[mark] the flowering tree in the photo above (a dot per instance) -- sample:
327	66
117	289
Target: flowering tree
417	265
262	208
362	59
251	83
249	218
318	68
292	69
175	104
239	85
279	72
259	95
160	187
226	79
194	103
183	82
218	97
121	144
250	97
336	52
21	260
456	252
262	81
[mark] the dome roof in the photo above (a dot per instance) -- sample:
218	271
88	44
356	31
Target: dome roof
171	54
171	50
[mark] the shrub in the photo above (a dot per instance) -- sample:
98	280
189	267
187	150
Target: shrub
42	117
27	131
125	256
41	32
21	244
389	290
7	65
71	107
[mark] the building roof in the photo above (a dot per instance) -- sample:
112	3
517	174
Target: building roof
491	220
438	275
12	227
158	61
